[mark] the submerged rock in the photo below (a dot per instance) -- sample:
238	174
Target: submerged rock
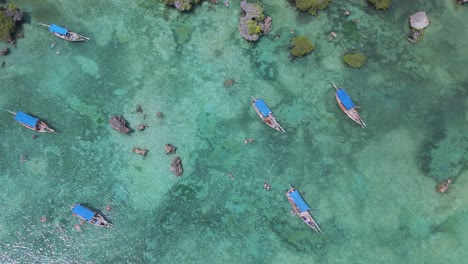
229	83
118	123
176	166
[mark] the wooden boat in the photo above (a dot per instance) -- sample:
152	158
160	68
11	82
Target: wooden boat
63	33
347	105
301	208
31	122
265	114
89	216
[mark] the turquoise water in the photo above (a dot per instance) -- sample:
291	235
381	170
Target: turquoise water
371	190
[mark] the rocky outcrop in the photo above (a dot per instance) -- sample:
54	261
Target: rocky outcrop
169	149
254	23
118	123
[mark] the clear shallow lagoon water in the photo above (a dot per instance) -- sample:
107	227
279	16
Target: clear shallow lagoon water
371	190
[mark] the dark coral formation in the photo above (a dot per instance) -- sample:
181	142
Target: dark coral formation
254	23
176	166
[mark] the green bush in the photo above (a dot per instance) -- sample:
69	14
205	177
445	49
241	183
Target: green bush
312	6
12	7
301	46
381	4
253	27
355	60
7	26
259	7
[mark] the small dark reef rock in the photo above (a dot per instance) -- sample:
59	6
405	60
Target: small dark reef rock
118	123
253	23
169	149
229	83
176	166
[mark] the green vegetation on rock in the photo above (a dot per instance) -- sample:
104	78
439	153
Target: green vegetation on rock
381	4
259	7
253	27
312	6
301	46
7	26
355	60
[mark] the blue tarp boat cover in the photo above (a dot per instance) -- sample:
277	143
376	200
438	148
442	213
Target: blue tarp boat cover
83	212
26	119
300	203
345	99
262	107
57	29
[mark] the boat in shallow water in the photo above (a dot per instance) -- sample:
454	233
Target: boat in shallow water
89	216
301	208
265	114
347	105
65	34
31	122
